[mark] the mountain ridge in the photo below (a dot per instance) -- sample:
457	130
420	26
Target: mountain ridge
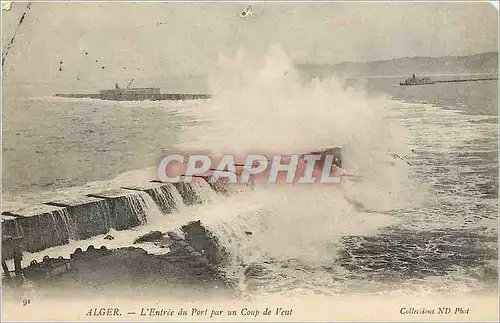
470	64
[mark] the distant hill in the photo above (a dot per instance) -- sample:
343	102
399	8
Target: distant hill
478	63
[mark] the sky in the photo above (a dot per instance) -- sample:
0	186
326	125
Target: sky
100	43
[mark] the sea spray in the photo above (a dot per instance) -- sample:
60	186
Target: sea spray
162	196
177	199
289	223
204	190
143	205
263	106
67	222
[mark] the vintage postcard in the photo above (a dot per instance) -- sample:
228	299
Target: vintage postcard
249	161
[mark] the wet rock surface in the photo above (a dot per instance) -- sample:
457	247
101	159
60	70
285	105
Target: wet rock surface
204	242
100	269
150	237
161	193
218	185
87	216
188	193
186	257
124	209
42	226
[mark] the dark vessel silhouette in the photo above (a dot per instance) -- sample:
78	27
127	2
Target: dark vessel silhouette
415	80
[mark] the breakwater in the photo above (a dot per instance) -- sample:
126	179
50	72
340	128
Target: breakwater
468	80
56	222
428	81
138	96
66	220
182	263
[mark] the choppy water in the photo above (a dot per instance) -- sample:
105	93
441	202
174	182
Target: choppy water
53	143
445	242
450	243
365	236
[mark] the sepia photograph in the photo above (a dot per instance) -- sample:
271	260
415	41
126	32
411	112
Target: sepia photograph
207	161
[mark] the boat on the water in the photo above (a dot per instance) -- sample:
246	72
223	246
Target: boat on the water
415	80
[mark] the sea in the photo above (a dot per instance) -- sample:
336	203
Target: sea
417	213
